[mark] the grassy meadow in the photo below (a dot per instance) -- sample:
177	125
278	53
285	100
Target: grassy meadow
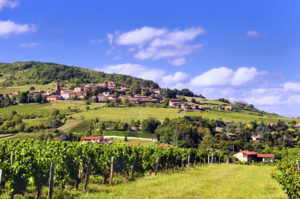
122	141
217	182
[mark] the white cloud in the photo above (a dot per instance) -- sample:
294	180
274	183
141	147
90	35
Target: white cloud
154	43
110	38
214	77
177	78
293	99
8	28
29	45
177	37
291	86
178	62
254	34
167	52
139	36
265	100
8	3
226	77
136	70
244	75
157	75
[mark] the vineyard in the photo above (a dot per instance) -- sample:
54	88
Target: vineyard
288	175
63	165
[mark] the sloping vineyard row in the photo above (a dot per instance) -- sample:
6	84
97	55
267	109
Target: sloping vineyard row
25	160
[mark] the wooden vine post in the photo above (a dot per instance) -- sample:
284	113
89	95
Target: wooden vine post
78	179
51	181
212	158
157	164
11	158
87	176
0	175
189	161
132	171
111	171
208	158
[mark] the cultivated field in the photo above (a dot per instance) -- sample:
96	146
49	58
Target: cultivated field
238	116
78	114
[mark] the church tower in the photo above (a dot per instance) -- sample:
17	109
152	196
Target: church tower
56	87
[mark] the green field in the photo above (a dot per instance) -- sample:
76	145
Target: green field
206	182
217	182
78	116
5	90
142	142
129	134
238	116
126	114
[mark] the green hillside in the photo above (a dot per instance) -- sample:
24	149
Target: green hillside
27	73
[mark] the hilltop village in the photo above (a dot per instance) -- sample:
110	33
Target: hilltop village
105	92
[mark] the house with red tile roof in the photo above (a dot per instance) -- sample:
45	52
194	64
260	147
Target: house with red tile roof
231	136
163	146
257	138
249	156
98	139
53	98
134	144
174	102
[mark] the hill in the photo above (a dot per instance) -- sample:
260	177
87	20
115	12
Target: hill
27	73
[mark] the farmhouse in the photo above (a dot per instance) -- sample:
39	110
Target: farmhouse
134	144
297	126
163	146
231	136
174	102
257	138
98	139
266	157
78	89
53	98
249	156
184	105
66	94
229	108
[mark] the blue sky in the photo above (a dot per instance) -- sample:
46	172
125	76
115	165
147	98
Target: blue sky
242	50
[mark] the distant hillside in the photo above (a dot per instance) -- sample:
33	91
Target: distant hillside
25	73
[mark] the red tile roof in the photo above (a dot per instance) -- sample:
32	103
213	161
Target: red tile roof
249	152
134	144
265	155
92	138
163	146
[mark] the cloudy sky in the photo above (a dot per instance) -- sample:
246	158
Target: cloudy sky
246	50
